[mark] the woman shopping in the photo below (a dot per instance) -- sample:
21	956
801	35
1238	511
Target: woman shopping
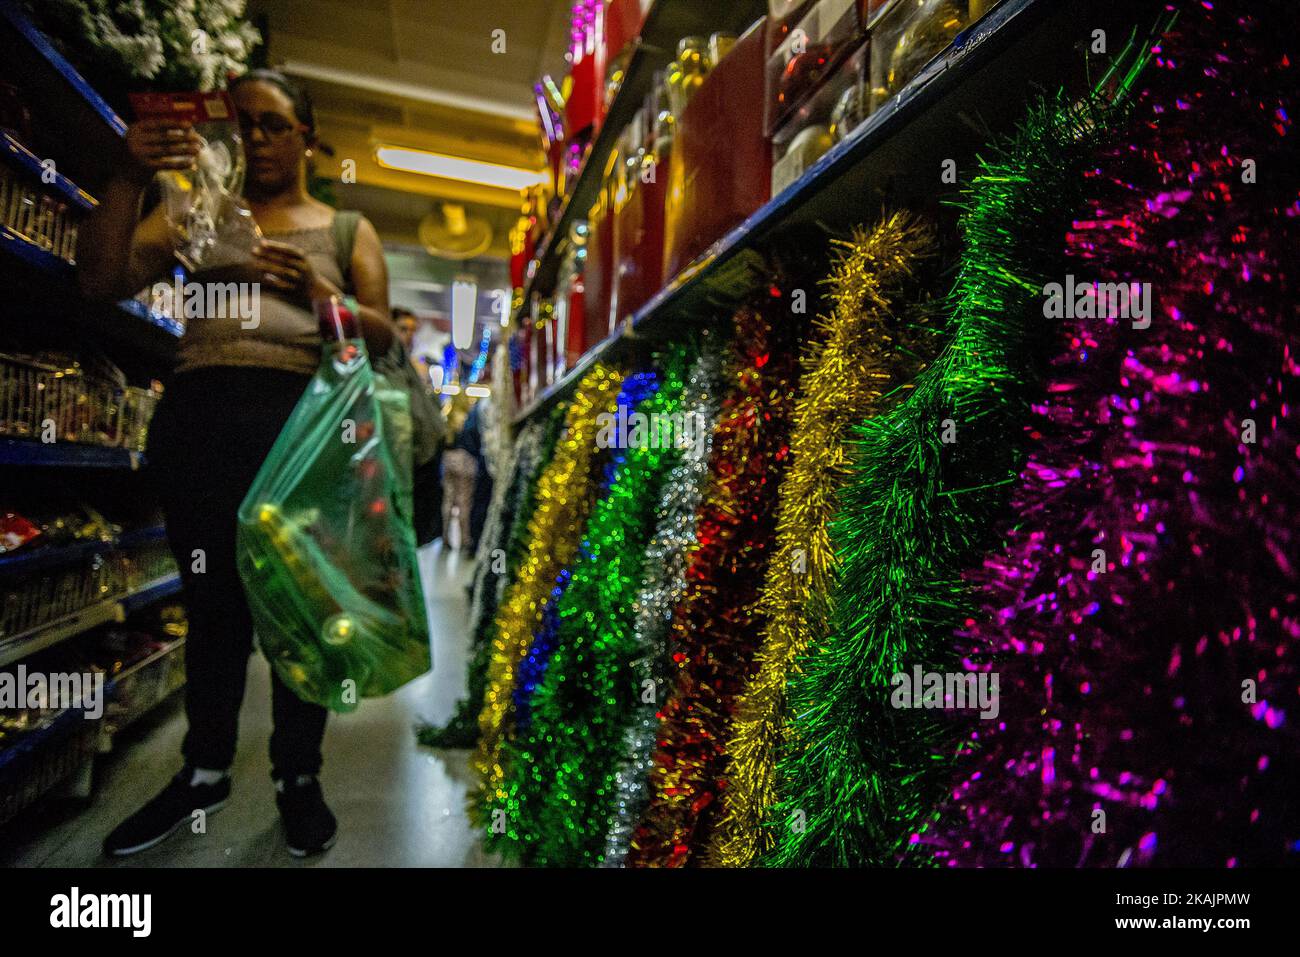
233	389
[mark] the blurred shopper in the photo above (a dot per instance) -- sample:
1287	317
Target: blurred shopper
481	498
431	435
459	470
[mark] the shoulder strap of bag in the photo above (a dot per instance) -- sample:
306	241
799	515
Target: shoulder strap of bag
345	239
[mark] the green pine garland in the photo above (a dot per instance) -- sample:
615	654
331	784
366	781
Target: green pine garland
860	777
507	527
561	767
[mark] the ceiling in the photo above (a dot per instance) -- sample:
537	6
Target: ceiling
422	74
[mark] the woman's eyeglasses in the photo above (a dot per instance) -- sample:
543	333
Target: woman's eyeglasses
273	126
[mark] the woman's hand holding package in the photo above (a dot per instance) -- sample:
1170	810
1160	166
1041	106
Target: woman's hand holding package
286	268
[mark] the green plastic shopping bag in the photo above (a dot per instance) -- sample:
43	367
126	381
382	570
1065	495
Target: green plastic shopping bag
326	545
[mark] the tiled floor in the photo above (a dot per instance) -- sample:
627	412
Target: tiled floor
398	804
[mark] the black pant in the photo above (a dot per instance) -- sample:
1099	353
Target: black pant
213	429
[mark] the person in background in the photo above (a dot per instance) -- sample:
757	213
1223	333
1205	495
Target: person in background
459	470
232	390
481	497
427	485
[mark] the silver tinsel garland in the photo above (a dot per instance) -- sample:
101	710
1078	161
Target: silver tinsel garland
506	503
663	582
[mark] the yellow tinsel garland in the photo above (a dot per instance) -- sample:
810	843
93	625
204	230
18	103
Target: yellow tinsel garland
854	367
565	496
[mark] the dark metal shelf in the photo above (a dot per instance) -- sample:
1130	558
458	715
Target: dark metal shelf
21	158
64	556
52	87
933	117
68	455
666	23
17	647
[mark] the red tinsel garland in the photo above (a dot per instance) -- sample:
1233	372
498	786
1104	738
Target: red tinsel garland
715	632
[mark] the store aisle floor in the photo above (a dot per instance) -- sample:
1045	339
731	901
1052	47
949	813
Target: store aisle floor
398	804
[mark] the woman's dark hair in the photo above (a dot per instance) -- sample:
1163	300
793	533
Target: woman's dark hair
301	100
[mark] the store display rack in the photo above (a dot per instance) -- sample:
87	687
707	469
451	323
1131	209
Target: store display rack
666	22
19	646
49	559
67	739
57	89
916	129
68	455
44	758
172	680
77	127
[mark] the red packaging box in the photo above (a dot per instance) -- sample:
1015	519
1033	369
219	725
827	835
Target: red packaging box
722	163
585	107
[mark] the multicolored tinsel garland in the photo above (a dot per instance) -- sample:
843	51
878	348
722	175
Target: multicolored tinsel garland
860	360
638	388
716	628
859	775
1144	613
663	582
561	764
506	524
565	497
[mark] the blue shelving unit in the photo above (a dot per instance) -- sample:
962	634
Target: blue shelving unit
134	309
59	72
62	556
24	160
41	261
67	455
155	591
48	559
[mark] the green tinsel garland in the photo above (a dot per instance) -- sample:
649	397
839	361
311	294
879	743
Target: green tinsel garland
506	528
561	767
860	777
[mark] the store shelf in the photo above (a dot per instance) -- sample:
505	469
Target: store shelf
52	558
63	556
68	455
23	159
52	88
117	718
129	319
17	647
156	590
922	120
666	22
134	309
50	728
24	251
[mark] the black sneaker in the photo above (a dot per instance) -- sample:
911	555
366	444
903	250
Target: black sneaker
309	825
161	817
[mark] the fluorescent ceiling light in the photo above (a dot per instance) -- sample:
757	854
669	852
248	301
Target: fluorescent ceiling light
457	168
478	391
415	91
450	389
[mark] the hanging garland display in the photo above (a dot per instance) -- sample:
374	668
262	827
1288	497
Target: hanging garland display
860	774
564	499
859	361
638	388
715	629
560	763
505	531
1143	614
663	582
